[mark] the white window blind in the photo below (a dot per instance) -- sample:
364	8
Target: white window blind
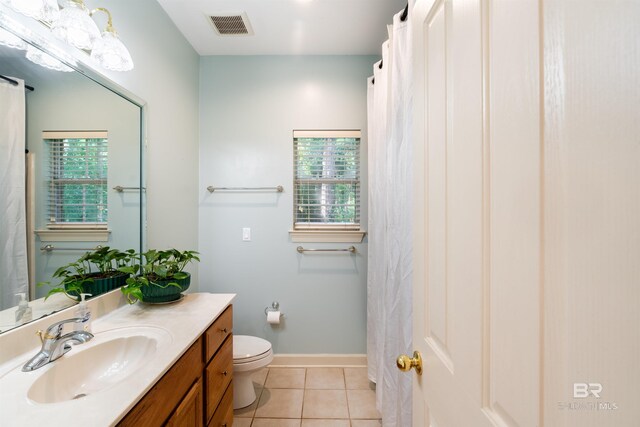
77	179
326	180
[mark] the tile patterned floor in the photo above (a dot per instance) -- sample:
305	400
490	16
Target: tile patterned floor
311	397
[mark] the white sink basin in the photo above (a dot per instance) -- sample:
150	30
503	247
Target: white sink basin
107	360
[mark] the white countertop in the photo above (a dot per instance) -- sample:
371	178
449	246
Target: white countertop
185	321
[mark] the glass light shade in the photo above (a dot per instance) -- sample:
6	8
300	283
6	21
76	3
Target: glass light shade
111	53
11	40
45	60
46	10
51	10
75	26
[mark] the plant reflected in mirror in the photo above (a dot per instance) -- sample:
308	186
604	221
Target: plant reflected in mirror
94	273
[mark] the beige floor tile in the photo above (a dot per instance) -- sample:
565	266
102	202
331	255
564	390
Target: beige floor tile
362	423
325	423
285	378
325	404
325	378
362	404
258	377
249	411
280	403
242	422
274	422
356	379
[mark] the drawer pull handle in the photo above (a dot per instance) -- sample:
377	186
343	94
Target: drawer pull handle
223	330
224	373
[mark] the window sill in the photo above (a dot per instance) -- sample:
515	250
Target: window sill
329	236
73	235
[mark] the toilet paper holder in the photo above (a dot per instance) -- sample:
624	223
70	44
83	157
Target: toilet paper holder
275	306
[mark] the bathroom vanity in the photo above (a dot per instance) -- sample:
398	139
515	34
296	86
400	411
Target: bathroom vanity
148	365
202	377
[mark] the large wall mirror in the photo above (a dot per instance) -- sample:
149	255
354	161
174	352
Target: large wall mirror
57	201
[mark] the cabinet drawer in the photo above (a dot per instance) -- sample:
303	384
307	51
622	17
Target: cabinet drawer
156	406
218	376
218	332
223	417
189	411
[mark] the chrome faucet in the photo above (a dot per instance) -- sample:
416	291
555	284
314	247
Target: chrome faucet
54	344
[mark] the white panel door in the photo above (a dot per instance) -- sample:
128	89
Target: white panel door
527	212
454	294
592	213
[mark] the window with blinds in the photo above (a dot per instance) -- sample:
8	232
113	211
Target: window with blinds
77	179
326	180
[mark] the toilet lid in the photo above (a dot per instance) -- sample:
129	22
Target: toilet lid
246	347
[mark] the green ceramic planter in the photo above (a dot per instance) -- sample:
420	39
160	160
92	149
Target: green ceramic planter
161	292
101	285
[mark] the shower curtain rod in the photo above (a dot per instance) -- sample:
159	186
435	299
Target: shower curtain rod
403	17
15	83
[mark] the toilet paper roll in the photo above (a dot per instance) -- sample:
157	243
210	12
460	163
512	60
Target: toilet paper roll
273	317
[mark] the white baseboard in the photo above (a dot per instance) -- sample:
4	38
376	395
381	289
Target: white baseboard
319	360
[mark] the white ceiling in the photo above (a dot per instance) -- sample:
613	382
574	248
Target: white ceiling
288	27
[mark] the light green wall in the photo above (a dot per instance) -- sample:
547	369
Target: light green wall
166	77
249	107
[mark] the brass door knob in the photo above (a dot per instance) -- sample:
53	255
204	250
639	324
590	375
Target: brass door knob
405	363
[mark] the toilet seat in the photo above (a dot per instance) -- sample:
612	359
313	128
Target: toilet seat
247	349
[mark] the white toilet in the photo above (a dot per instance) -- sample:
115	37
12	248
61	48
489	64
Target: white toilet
249	355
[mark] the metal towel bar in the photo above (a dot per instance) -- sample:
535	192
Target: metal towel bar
120	188
278	188
51	248
350	249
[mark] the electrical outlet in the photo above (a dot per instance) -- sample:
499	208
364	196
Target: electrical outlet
246	234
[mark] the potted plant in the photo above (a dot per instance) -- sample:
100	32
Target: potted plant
94	273
160	276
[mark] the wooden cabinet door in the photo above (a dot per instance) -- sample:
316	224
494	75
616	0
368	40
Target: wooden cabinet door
218	375
223	417
218	333
189	411
157	405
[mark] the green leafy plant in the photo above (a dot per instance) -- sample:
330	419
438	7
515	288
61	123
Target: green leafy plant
157	268
102	263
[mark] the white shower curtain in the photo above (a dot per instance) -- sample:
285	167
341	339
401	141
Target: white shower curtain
13	236
390	233
377	107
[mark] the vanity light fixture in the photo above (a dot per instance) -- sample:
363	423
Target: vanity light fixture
44	10
45	60
108	50
11	40
75	25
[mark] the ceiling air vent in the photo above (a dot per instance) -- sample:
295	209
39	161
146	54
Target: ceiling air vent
236	24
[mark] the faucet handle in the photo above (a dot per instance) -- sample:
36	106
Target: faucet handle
44	335
54	331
